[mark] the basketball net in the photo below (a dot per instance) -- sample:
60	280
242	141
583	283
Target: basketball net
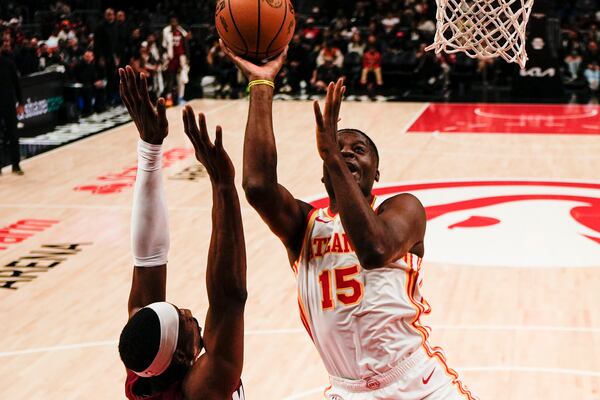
483	28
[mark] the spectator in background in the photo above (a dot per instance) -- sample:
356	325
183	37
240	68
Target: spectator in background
296	66
226	74
390	22
592	75
47	58
10	94
592	53
310	34
106	45
158	54
125	48
428	71
93	78
175	42
573	63
26	58
328	51
144	62
356	44
371	65
71	55
325	73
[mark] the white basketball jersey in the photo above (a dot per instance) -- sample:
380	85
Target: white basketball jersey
363	322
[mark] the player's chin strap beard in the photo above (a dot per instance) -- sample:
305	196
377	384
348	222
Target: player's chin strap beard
168	317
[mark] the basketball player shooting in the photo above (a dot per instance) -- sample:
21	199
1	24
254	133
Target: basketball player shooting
161	344
357	262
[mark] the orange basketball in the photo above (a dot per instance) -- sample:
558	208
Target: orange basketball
256	29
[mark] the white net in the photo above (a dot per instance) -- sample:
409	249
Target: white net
483	28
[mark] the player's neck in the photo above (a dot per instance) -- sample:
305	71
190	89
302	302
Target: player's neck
333	207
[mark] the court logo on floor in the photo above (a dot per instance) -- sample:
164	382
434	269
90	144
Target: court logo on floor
515	223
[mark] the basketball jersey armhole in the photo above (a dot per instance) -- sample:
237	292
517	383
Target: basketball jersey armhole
307	231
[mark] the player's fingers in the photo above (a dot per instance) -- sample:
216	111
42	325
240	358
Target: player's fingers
230	54
282	56
204	139
132	84
318	116
123	89
144	90
184	117
123	93
328	100
219	137
161	110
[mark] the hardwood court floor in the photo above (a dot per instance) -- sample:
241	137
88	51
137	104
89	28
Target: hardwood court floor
513	330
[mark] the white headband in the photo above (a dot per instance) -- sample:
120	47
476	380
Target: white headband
168	317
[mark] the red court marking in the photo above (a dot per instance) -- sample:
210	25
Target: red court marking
22	230
475	221
116	182
509	118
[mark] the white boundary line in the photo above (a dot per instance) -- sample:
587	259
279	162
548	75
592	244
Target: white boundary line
414	119
265	332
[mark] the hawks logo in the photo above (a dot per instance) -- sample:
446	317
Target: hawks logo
274	3
513	223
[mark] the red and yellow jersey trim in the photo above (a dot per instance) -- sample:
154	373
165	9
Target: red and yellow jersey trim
422	307
312	215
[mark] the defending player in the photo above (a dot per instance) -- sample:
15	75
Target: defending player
357	262
161	344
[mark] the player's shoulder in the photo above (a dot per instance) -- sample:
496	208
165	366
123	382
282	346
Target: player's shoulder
306	208
405	202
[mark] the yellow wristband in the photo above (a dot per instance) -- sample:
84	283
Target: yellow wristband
260	82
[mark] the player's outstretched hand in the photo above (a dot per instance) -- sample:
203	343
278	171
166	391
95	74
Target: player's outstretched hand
150	120
327	122
253	71
213	156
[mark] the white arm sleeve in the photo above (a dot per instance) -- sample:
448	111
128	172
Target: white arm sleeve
149	223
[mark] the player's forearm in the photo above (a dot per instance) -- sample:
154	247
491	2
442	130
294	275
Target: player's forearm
149	222
260	152
226	271
366	231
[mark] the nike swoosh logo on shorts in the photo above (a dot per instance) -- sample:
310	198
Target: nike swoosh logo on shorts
426	380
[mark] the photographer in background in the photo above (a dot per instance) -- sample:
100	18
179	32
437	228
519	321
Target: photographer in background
10	94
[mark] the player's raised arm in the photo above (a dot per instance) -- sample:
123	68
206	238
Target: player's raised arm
285	215
218	373
378	239
149	224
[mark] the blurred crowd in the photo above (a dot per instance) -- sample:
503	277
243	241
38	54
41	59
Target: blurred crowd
377	45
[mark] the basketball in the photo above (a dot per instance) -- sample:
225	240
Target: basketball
256	30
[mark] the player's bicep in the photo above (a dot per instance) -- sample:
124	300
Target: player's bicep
147	286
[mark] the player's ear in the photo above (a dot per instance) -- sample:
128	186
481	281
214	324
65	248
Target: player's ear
377	176
322	179
180	357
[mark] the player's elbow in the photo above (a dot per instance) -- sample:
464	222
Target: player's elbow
240	297
373	258
255	190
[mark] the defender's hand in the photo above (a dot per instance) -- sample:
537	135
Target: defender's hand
252	71
213	156
150	120
327	122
